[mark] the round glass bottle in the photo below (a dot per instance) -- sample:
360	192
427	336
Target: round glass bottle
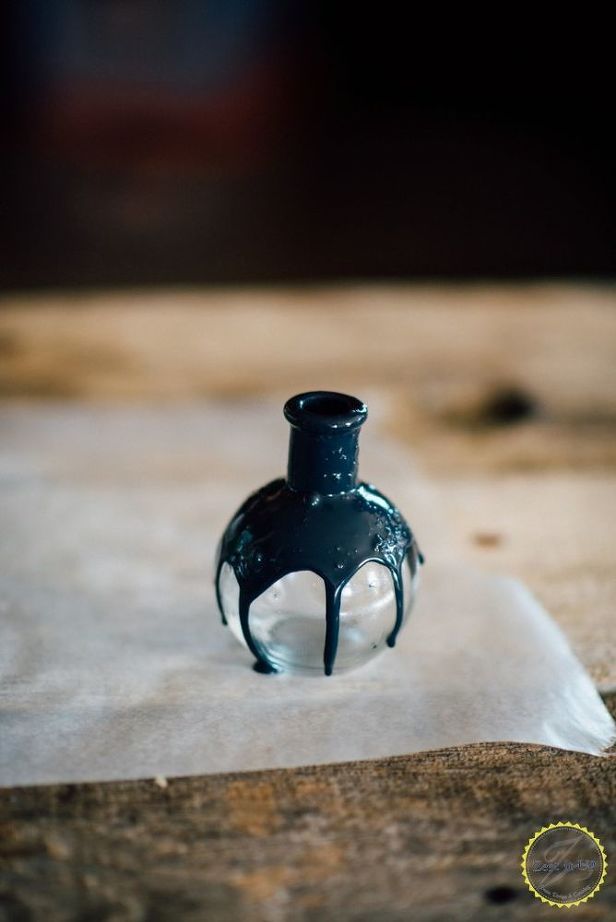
317	572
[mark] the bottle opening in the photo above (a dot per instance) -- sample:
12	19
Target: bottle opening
320	411
329	404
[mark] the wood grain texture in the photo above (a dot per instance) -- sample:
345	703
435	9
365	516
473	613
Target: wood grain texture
433	836
443	348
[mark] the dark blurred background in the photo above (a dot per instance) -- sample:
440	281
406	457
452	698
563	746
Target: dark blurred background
178	141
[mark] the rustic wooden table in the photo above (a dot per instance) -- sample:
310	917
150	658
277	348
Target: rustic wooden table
507	396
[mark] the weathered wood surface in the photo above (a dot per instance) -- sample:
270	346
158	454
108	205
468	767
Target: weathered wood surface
508	396
434	836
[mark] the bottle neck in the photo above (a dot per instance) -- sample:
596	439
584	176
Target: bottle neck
323	462
323	445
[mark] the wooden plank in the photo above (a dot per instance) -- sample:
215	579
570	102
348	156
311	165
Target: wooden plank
439	346
433	836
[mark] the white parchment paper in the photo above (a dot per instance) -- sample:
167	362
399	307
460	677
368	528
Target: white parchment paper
113	661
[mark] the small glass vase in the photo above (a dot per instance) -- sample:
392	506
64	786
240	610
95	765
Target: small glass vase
317	573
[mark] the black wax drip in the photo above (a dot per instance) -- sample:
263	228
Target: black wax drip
318	519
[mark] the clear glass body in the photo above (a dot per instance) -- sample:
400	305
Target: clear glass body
287	621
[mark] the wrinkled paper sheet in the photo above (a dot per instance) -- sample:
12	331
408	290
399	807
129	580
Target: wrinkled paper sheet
113	661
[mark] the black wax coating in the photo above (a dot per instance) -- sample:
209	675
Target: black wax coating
331	531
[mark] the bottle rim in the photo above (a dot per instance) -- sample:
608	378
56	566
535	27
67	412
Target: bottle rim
325	411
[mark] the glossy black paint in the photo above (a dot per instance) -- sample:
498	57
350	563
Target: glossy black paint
320	519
